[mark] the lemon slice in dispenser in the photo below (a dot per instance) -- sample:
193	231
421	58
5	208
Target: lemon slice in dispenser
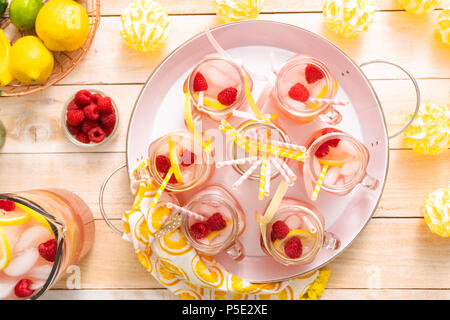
5	250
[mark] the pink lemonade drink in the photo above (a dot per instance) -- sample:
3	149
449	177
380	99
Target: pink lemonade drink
296	233
301	78
346	158
223	224
192	165
265	132
217	87
42	233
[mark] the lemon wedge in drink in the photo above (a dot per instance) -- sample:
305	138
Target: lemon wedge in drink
331	163
304	235
5	250
174	161
36	216
13	218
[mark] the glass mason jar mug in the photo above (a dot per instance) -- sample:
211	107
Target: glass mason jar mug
194	164
346	157
295	234
225	222
300	78
265	132
217	86
42	233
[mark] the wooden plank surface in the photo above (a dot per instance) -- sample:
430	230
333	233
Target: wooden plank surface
395	257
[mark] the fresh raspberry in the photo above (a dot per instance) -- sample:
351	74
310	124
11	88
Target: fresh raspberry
23	288
333	142
322	151
108	120
216	222
299	92
47	250
82	137
96	97
7	205
313	74
172	179
293	248
108	131
200	83
91	112
162	164
187	158
83	98
227	96
96	135
72	105
73	129
105	105
87	125
199	230
75	117
279	230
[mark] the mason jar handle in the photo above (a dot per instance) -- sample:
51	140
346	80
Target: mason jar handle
416	87
100	199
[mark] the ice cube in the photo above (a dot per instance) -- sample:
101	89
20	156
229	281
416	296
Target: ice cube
350	168
22	263
348	147
32	237
293	222
188	173
331	176
41	272
13	234
37	285
206	209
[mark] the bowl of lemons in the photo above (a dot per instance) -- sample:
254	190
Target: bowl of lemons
42	41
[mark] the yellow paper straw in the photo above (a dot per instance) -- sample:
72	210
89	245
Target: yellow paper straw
207	146
319	183
252	146
262	179
269	176
161	188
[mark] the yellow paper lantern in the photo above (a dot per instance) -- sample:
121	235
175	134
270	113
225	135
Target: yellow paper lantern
429	133
237	10
419	6
444	25
436	211
348	18
145	25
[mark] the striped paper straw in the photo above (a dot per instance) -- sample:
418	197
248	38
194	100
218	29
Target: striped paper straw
252	146
319	183
161	188
246	174
269	176
288	170
288	145
236	161
262	179
337	102
282	171
193	214
201	96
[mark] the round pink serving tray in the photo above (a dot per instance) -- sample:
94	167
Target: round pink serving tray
159	111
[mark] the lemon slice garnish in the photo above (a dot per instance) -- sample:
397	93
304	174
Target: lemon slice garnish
297	232
331	163
5	250
319	96
174	161
36	216
13	218
212	103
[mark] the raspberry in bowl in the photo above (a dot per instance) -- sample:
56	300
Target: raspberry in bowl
90	118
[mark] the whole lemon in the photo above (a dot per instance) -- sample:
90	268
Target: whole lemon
63	25
30	61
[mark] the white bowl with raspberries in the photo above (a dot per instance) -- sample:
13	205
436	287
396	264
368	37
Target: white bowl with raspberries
90	118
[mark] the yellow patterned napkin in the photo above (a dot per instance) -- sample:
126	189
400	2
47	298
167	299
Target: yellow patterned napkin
189	274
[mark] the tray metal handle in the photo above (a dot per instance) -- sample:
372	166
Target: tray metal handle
416	87
100	200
